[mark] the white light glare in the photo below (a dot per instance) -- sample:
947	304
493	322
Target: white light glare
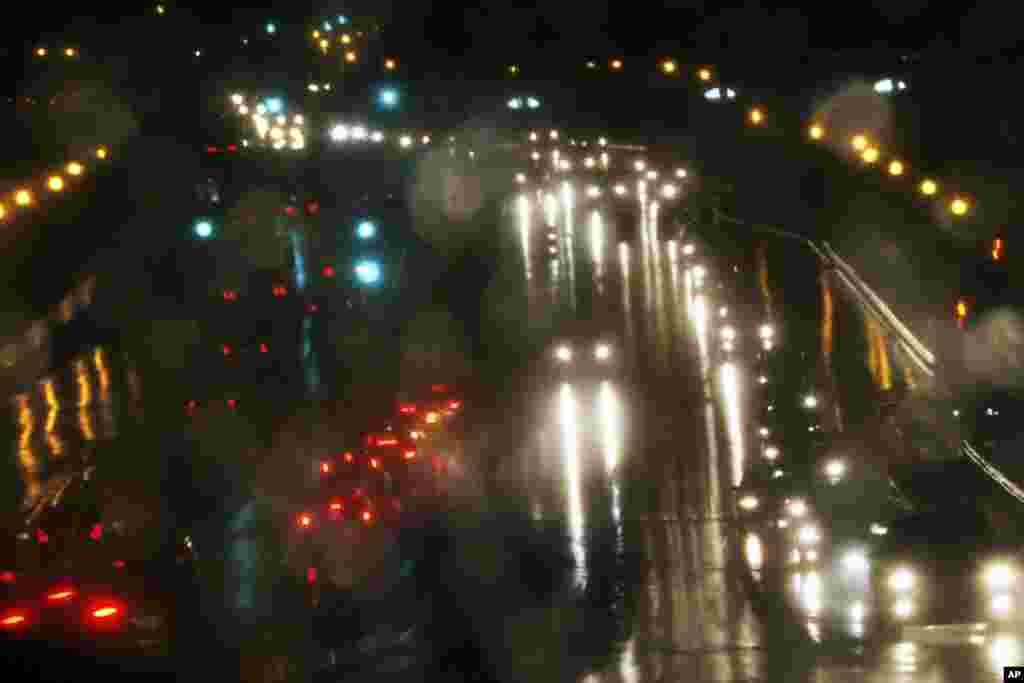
835	469
999	576
901	580
855	561
603	352
748	502
689	249
563	354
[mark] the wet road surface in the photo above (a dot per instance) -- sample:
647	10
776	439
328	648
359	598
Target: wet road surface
647	426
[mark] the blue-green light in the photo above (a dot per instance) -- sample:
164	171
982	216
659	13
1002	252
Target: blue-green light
368	272
366	230
203	229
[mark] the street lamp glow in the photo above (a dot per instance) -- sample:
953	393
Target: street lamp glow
869	155
75	169
749	502
620	190
237	99
603	142
669	191
520	178
766	332
859	142
771	453
55	183
23	197
563	354
602	352
553	135
999	577
366	230
616	64
689	249
929	187
835	469
652	175
704	75
680	173
390	64
513	69
669	67
901	580
339	133
816	131
756	116
728	333
350	56
810	401
797	508
346	39
388	98
405	141
203	229
368	272
808	535
589	162
359	132
895	168
639	165
593	192
959	206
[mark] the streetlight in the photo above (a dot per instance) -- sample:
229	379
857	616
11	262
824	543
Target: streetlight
669	67
203	229
704	75
869	155
816	131
388	98
756	116
834	470
959	206
929	187
55	183
563	354
895	168
810	401
859	142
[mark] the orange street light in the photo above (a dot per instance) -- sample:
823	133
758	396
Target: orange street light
756	116
704	74
816	131
929	187
55	183
23	197
959	206
895	167
859	142
75	168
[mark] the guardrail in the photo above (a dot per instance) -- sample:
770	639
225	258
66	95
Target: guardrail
992	471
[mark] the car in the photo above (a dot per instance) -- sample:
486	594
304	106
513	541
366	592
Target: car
943	568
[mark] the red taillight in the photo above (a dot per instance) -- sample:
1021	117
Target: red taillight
374	463
230	295
212	149
325	467
96	533
348	457
118	564
232	403
312	308
105	613
367	516
263	348
191	406
8	577
311	575
305	520
14	619
409	454
62	594
225	349
328	271
407	409
280	291
312	208
232	148
454	405
42	536
387	442
336	508
291	211
439	388
358	493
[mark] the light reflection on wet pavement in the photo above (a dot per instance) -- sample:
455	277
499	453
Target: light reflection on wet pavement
684	425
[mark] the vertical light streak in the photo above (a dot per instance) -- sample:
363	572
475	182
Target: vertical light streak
762	278
26	454
52	413
569	233
550	210
611	432
571	464
827	313
597	245
84	400
627	293
731	395
524	232
754	552
106	407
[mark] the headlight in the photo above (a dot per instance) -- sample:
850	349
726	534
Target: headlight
901	580
999	576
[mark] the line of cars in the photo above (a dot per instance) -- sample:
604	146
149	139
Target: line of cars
409	459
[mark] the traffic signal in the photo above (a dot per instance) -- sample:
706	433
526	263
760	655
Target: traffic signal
368	272
291	211
312	208
366	230
328	271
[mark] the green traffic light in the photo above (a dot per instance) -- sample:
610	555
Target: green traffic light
203	229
